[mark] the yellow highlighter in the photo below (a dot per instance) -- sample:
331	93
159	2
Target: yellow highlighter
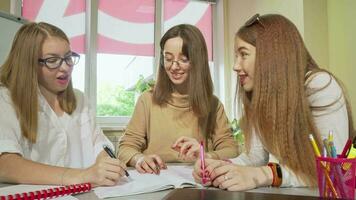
315	146
351	153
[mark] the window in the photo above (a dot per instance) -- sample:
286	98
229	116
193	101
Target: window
125	54
125	36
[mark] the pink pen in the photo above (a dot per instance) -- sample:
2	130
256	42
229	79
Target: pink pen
202	162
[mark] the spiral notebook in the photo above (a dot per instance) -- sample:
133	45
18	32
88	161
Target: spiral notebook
20	192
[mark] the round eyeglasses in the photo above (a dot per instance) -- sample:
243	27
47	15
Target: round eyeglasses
56	61
168	62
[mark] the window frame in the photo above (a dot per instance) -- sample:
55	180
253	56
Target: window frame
221	78
120	122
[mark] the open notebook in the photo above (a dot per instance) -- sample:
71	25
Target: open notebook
173	177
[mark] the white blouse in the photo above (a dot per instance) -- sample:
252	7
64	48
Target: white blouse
333	118
66	141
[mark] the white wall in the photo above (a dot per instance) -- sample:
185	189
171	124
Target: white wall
316	35
342	43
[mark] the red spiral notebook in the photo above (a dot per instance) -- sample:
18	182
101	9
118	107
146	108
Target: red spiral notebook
32	192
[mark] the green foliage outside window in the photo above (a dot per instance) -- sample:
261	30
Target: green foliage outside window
116	101
143	85
236	132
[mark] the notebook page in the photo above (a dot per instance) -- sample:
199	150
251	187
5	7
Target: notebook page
138	183
22	188
180	176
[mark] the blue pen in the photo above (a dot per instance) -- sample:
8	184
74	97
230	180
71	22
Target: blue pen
333	149
331	144
339	177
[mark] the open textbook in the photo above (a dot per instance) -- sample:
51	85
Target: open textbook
173	177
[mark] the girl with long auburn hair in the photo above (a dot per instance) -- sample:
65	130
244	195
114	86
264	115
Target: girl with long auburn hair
285	96
169	121
47	129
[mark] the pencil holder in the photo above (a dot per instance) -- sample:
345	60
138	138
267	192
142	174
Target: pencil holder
336	177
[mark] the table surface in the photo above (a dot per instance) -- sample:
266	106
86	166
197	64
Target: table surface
160	195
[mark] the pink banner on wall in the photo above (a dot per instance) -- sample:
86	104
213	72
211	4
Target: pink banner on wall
125	27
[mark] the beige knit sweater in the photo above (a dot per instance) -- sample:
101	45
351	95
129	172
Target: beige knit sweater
153	129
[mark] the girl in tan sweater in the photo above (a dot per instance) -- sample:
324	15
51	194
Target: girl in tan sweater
180	111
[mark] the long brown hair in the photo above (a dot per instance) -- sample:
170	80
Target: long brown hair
200	85
278	107
19	75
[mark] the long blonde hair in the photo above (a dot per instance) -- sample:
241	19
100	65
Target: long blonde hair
19	75
278	107
200	86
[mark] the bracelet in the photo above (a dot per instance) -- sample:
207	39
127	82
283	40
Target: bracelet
277	174
137	157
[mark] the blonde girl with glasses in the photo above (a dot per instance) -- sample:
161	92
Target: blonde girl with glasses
285	96
47	129
180	111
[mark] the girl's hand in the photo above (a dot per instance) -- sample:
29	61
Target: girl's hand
209	164
238	178
105	172
150	164
187	147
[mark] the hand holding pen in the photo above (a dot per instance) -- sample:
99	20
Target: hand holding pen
105	171
202	163
112	155
204	176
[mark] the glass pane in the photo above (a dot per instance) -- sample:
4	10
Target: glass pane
125	53
70	17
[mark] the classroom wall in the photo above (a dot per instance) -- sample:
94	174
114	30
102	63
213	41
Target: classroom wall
316	36
342	40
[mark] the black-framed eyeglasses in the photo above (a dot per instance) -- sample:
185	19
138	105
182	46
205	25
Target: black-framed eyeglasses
254	19
56	61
